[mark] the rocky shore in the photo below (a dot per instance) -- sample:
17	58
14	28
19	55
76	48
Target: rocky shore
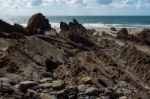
37	62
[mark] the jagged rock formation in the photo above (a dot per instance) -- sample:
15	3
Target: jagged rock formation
144	36
11	31
72	64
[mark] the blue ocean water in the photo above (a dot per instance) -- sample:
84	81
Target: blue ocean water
91	21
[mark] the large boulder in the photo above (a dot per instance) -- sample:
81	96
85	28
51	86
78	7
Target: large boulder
122	34
38	23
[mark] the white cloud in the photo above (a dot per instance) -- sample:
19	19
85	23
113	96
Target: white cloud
89	3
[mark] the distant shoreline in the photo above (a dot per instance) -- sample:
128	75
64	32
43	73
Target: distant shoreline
93	26
90	21
132	30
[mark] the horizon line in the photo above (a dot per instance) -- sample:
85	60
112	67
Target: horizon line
73	15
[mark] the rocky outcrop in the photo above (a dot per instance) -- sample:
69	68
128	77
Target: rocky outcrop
20	28
144	37
64	26
122	34
11	31
5	27
76	32
72	64
37	24
139	61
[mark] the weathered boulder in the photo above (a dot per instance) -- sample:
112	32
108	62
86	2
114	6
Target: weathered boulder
113	29
87	80
64	26
23	86
92	91
45	96
122	34
38	24
58	84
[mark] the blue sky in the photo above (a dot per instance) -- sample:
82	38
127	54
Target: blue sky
75	7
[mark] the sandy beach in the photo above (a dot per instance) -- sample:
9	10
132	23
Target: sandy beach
100	30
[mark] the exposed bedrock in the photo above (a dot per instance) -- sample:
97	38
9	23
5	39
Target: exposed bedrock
71	64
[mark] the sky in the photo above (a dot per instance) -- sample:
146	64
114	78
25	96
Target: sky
75	7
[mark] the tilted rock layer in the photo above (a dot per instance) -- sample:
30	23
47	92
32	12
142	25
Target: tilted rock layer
72	64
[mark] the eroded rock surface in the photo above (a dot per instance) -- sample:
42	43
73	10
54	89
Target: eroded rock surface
72	64
38	23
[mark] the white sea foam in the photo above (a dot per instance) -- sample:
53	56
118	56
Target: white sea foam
100	25
52	24
55	25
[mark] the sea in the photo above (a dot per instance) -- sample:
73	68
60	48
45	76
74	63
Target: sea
89	21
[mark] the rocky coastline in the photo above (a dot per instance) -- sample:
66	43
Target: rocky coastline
37	62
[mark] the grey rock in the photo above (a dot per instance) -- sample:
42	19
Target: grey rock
23	86
31	93
122	34
87	80
58	84
6	88
44	80
62	94
81	88
46	85
45	96
92	91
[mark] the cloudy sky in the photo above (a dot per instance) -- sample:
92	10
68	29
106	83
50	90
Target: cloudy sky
75	7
